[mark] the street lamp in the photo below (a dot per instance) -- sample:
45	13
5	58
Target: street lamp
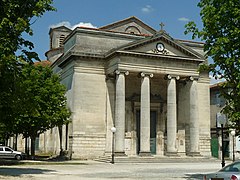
222	120
113	129
233	133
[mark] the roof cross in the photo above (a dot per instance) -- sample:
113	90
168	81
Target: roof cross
161	24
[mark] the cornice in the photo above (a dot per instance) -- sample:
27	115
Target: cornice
100	32
156	56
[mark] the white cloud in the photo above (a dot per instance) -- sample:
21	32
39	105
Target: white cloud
184	19
147	9
83	24
63	23
214	80
68	25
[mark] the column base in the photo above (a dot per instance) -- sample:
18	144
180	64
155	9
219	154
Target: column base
172	154
119	154
194	154
145	154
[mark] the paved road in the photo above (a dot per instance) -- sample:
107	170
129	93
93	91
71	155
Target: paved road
90	170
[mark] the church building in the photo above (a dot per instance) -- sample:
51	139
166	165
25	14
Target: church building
137	79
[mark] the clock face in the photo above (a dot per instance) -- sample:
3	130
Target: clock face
160	47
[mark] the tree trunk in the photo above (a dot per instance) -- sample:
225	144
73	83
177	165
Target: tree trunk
33	147
60	138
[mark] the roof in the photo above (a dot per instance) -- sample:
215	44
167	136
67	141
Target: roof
127	20
60	28
43	63
105	30
217	85
166	37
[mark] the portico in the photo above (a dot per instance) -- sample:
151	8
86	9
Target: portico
145	107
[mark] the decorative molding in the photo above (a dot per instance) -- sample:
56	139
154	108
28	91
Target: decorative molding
154	98
188	79
90	70
164	52
169	77
117	72
192	78
143	74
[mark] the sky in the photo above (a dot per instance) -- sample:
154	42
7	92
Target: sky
96	13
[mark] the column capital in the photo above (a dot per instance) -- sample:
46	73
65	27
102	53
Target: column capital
169	77
121	72
192	78
143	74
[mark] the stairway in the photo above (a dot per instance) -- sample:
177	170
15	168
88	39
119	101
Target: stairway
153	159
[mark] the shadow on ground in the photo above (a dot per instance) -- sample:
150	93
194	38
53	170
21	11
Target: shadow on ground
194	176
21	171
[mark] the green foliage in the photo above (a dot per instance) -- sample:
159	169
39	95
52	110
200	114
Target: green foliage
31	98
16	16
42	101
221	33
8	93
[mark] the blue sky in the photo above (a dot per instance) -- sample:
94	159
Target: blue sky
173	13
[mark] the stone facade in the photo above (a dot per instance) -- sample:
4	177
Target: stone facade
142	81
231	143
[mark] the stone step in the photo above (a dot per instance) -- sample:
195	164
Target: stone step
106	159
155	159
162	159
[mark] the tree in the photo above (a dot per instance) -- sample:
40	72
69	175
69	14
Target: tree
221	33
42	103
16	17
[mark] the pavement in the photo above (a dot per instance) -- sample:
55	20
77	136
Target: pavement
94	170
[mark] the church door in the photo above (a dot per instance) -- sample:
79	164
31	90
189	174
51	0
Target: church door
153	120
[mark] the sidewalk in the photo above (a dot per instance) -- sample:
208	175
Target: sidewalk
117	160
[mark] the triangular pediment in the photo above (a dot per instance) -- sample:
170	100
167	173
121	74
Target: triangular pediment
130	25
161	44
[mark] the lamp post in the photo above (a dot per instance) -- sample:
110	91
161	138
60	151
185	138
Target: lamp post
222	120
113	129
233	133
223	160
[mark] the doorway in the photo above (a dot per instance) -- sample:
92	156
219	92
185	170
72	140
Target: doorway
153	124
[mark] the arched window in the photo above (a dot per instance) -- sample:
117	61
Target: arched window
132	30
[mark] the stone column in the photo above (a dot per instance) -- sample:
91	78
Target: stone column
194	118
171	115
145	115
120	113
